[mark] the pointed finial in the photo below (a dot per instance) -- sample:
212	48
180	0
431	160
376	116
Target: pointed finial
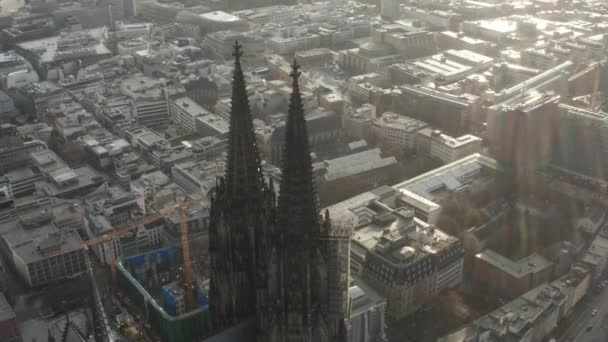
295	70
237	50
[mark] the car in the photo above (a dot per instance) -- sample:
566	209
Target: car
594	312
589	327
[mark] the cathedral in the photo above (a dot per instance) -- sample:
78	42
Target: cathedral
277	260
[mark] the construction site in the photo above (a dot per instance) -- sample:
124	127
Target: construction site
153	286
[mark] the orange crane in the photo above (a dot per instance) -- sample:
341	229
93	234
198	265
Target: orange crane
180	209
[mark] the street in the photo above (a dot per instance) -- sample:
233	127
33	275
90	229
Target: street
583	318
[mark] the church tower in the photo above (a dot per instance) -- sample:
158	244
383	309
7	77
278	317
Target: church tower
306	271
241	211
281	263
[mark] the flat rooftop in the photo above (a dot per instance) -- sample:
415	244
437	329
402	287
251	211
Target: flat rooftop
355	163
36	244
529	265
451	176
68	46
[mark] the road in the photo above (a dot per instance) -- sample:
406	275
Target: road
583	318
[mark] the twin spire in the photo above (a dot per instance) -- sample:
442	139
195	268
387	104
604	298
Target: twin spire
243	169
297	201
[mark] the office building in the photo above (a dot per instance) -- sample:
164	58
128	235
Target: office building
506	278
15	71
523	132
31	241
344	177
58	51
583	139
404	259
452	114
444	147
396	130
148	100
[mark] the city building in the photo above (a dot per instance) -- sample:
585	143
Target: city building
150	187
582	141
523	132
213	21
404	259
367	311
126	31
530	317
446	67
111	207
221	42
60	180
149	101
396	130
506	278
129	166
458	40
53	57
185	112
434	19
36	98
425	193
14	150
27	25
162	13
197	177
453	114
270	14
32	240
444	147
323	127
596	256
293	44
15	71
344	177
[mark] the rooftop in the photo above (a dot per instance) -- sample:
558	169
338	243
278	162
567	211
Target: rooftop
529	265
68	45
39	243
355	163
220	16
142	87
400	122
451	176
398	236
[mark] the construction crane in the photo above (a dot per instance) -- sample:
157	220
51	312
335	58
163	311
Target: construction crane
180	209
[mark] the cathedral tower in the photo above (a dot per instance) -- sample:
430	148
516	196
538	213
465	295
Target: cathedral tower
240	212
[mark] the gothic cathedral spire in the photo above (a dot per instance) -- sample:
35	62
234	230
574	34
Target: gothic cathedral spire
298	200
243	175
238	217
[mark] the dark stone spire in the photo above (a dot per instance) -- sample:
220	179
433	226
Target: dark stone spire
238	218
243	170
298	211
